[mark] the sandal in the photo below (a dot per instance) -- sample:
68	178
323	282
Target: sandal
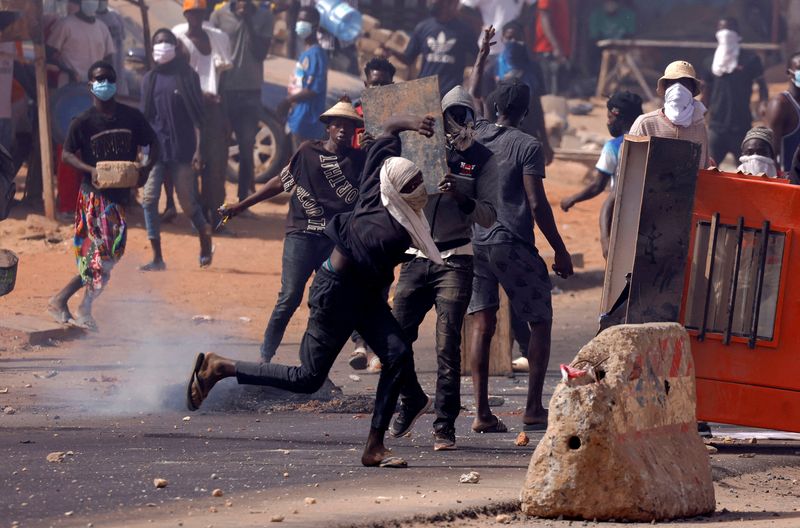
497	427
195	380
86	322
393	462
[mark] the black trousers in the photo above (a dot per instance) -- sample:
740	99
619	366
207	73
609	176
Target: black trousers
447	287
338	305
721	142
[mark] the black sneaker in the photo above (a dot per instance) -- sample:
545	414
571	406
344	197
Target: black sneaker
444	439
408	415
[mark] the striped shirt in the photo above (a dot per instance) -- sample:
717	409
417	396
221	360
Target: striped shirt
656	124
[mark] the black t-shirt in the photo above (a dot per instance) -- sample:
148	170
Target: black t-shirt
731	93
322	185
99	137
446	48
369	235
516	154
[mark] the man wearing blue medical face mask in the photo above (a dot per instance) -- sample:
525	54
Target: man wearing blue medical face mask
783	116
309	84
108	131
78	40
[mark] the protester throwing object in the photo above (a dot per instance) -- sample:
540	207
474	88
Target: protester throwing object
107	132
682	117
346	293
323	178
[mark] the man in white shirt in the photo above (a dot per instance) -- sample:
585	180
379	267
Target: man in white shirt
209	55
79	40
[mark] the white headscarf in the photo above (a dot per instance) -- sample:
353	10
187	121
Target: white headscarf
680	105
726	57
407	208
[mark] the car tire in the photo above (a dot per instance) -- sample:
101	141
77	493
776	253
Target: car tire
271	153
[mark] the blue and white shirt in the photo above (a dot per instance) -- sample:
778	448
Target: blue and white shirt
609	159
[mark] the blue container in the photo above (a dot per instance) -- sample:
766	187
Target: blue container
339	19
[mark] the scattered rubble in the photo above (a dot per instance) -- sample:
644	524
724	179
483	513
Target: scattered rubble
160	483
217	493
9	410
276	518
473	477
522	439
496	401
503	518
56	456
309	500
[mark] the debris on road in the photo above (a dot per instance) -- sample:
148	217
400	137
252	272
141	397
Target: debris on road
473	477
711	449
9	410
217	493
51	374
160	483
276	518
354	377
186	418
4	390
522	439
503	518
202	318
309	500
496	401
56	456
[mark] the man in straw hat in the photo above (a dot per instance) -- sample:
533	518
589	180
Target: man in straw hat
323	178
346	292
681	117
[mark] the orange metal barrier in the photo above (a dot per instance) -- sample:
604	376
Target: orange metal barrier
741	301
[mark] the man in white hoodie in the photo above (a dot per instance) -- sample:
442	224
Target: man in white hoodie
681	116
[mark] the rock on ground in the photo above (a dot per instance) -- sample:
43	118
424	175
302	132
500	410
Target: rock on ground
625	444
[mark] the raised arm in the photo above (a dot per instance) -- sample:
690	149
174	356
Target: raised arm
474	82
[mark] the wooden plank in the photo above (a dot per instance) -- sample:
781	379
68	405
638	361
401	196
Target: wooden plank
419	98
502	342
45	143
647	43
664	226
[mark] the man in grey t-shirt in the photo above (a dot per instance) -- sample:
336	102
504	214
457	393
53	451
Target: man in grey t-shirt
249	28
506	255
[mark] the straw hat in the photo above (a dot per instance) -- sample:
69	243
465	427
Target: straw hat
188	5
679	70
343	109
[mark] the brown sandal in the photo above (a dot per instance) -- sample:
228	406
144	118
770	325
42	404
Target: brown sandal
195	380
497	427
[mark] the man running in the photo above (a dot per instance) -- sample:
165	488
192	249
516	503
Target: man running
323	177
108	131
346	293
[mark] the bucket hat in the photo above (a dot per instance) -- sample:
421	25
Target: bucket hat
679	70
343	109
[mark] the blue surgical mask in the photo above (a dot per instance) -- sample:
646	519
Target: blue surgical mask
303	29
90	7
104	90
796	79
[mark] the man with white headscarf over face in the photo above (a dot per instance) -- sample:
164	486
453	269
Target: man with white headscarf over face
346	294
681	116
728	86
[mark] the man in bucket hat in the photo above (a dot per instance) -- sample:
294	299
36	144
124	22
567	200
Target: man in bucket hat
681	117
323	178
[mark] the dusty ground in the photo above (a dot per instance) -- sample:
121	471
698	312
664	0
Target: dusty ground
114	400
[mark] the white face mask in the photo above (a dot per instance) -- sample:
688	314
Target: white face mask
416	199
679	105
726	56
163	52
758	165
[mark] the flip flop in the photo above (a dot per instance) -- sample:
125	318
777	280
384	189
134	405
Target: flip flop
198	363
497	427
534	427
85	322
393	462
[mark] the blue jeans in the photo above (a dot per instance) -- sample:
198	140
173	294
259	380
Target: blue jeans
303	253
338	305
185	182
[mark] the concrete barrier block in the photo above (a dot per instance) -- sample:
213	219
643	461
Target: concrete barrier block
621	441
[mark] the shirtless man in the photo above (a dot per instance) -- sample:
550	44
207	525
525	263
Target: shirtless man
783	116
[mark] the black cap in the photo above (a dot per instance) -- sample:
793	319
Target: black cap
627	104
511	96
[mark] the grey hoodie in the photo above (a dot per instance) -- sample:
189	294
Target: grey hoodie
451	225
